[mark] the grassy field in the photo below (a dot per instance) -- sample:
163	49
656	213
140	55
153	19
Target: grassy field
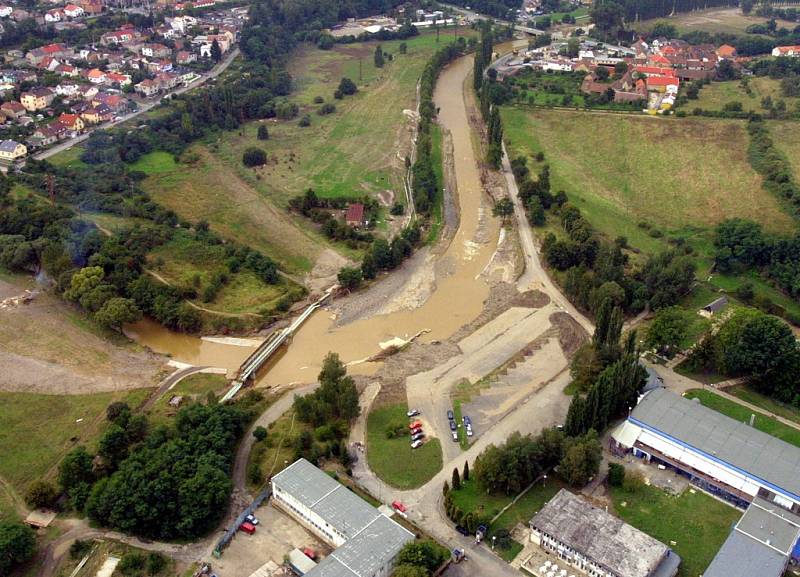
742	414
672	175
725	20
277	452
101	551
188	264
393	460
787	138
192	388
37	430
696	522
716	95
748	395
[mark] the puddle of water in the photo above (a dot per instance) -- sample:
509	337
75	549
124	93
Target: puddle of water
457	300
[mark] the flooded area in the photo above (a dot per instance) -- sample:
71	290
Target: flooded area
456	299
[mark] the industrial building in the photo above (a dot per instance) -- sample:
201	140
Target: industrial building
732	460
598	543
728	458
366	542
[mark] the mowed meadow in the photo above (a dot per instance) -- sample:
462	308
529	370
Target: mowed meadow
630	175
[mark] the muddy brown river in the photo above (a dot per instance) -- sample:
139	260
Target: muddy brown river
457	297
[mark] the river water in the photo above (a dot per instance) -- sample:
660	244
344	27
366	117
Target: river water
457	299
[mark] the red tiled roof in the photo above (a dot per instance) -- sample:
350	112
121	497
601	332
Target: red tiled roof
355	213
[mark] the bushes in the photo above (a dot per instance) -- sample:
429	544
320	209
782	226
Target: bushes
253	156
17	545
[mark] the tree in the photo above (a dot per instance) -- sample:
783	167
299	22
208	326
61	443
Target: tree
117	312
503	208
456	482
216	51
667	331
602	73
378	58
347	86
41	494
406	570
113	445
582	458
253	156
155	563
263	132
75	476
535	210
350	278
260	433
17	545
466	471
422	553
84	281
616	474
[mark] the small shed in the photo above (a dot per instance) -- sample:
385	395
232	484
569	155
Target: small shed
713	307
40	518
355	215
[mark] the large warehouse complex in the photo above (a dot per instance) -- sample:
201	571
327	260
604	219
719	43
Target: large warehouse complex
366	541
598	543
732	460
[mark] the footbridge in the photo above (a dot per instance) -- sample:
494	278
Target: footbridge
265	350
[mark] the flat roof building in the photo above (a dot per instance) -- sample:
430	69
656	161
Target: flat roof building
366	541
598	543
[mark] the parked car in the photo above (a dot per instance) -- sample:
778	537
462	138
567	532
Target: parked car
251	519
416	444
418	436
463	530
248	528
413	412
415	425
469	430
453	425
310	553
450	415
398	506
455	436
467	420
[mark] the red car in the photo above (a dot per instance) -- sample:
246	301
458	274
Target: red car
248	528
415	425
398	506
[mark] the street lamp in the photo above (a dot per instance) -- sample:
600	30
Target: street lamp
494	538
544	481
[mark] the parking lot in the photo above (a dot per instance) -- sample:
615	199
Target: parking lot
276	535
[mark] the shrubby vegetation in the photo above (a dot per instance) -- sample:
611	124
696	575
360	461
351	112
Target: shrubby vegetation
17	545
420	559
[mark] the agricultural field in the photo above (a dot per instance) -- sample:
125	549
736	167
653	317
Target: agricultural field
716	95
696	522
715	20
647	178
393	460
733	410
37	430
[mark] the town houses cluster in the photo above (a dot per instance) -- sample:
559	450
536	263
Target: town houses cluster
648	71
58	91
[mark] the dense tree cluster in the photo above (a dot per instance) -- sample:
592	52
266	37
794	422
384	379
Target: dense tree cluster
17	545
772	164
419	558
168	483
757	346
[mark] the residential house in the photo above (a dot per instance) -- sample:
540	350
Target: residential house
88	91
91	7
118	79
122	36
355	215
11	150
67	70
185	57
19	15
47	135
97	114
662	84
790	51
14	109
73	11
37	99
147	88
73	122
96	76
54	15
726	52
115	102
156	51
167	80
36	55
68	89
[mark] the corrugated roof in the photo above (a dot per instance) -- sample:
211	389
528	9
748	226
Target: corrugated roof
368	551
305	482
737	444
771	525
600	536
741	556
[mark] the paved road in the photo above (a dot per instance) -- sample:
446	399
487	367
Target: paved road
213	73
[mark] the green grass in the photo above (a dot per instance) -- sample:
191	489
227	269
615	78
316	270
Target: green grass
463	440
157	162
393	460
742	414
669	173
787	138
748	395
193	388
437	211
37	430
716	95
69	158
715	20
696	522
